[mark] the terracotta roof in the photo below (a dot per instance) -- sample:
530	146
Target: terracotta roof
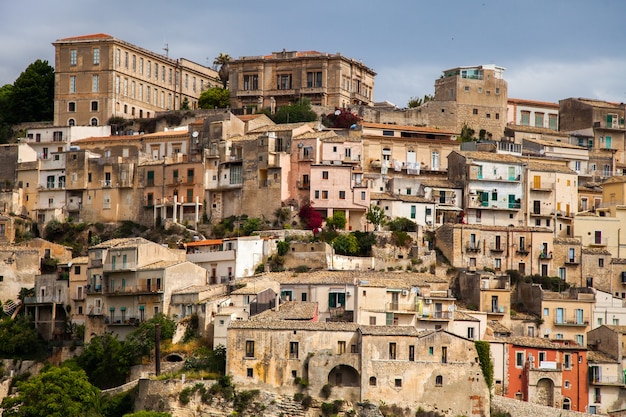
122	243
87	37
170	133
596	251
523	316
423	129
616	329
463	316
389	331
548	167
294	325
113	138
400	197
540	342
80	260
600	357
439	183
533	102
566	241
250	289
499	228
283	127
498	327
491	157
291	310
395	279
159	265
206	242
554	143
601	103
618	261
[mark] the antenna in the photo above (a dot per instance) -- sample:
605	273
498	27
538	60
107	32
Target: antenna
167	50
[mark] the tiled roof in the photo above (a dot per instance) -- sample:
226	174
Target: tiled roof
499	228
554	143
250	289
291	310
533	102
463	316
193	289
423	129
596	356
540	342
400	197
439	183
498	327
389	331
395	279
491	157
547	167
596	251
602	103
113	138
122	243
618	261
80	260
616	179
159	265
566	241
87	37
617	329
206	242
523	316
169	133
294	325
283	127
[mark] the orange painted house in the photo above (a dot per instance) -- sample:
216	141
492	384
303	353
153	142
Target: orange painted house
547	372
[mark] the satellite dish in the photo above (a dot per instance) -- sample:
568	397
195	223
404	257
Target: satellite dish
195	134
337	112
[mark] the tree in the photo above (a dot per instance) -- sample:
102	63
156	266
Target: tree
251	225
32	97
346	245
337	221
185	104
402	224
341	119
295	113
223	60
105	361
55	392
376	216
467	133
214	97
310	218
145	413
416	101
19	338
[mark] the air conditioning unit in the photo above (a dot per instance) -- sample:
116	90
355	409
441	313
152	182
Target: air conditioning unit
428	301
405	292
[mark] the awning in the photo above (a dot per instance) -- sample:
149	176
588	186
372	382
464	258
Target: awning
448	208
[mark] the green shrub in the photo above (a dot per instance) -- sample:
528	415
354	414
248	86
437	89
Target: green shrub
326	391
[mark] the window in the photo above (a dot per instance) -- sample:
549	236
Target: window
580	339
126	59
398	382
250	82
72	83
336	299
411	353
324	175
314	79
373	381
525	121
342	195
474	111
470	333
538	119
283	81
324	195
601	262
94	106
413	211
567	361
77	269
249	372
362	195
372	320
519	359
392	351
95	85
73	58
341	347
293	350
439	381
250	348
71	107
140	65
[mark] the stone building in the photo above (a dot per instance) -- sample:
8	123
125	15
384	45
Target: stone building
476	96
99	76
272	81
408	368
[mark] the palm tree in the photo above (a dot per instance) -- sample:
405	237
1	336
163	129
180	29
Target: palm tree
223	61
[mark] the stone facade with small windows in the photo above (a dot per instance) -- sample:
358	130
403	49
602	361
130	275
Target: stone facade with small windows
435	370
473	96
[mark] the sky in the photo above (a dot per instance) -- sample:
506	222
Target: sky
551	49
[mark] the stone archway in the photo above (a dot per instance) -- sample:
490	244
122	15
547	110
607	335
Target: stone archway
344	375
545	392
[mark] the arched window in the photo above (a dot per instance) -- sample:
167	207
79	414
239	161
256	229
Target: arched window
567	404
71	122
94	121
439	381
373	381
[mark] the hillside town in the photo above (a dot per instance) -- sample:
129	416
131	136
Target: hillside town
492	222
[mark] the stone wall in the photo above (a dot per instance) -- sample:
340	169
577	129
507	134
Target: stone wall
524	409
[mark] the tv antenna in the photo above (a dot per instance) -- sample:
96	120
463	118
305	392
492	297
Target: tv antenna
167	50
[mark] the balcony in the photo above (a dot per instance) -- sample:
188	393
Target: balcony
497	249
473	247
542	187
401	307
572	261
303	185
607	380
436	316
499	310
134	290
572	322
249	93
544	255
94	311
599	242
